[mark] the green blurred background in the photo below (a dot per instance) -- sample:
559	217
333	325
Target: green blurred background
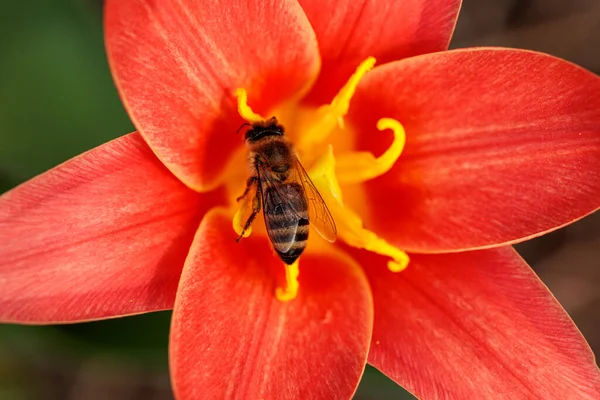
57	100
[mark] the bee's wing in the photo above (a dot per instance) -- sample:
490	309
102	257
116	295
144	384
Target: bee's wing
281	218
318	213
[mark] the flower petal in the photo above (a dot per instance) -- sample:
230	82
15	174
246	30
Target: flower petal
104	234
177	64
349	31
231	338
501	145
476	325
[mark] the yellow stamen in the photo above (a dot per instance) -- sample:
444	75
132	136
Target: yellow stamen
241	214
291	283
372	242
350	226
244	109
322	123
359	167
341	102
238	224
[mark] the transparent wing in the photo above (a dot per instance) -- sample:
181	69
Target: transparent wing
281	218
318	214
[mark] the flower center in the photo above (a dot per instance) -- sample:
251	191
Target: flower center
310	130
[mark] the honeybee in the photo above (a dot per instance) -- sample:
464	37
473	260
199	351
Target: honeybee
281	187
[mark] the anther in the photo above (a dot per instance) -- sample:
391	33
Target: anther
238	224
330	116
359	167
244	109
341	102
291	283
351	227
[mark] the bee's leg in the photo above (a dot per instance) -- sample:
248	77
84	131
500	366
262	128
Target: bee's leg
255	210
253	180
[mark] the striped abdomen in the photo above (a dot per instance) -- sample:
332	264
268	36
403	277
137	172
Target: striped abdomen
286	218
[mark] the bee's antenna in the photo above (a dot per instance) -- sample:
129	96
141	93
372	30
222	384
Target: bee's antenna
243	125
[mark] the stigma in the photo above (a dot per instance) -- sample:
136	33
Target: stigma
311	132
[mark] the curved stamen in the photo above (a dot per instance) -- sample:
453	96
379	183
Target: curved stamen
350	225
323	122
244	109
291	283
341	102
238	223
362	166
371	242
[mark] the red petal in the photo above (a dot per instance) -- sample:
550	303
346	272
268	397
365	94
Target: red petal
349	31
104	234
501	145
230	337
177	64
476	325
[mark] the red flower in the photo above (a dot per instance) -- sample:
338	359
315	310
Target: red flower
501	146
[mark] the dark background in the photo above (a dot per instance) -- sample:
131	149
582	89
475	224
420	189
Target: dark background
57	100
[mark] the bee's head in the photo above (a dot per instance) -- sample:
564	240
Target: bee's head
263	129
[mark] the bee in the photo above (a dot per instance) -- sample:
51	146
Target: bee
280	186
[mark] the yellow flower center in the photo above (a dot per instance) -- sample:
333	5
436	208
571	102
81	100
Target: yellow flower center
311	131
